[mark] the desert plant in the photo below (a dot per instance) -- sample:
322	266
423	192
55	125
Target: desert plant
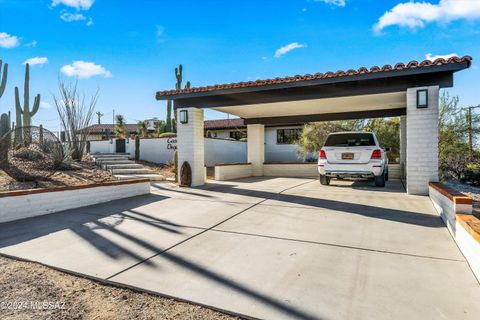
4	124
3	81
75	116
168	126
171	125
142	129
137	148
119	126
24	115
168	135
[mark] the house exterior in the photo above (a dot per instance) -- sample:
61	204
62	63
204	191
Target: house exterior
279	140
98	131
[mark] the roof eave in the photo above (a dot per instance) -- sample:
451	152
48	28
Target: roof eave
452	67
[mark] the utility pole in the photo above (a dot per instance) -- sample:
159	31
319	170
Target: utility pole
99	115
470	127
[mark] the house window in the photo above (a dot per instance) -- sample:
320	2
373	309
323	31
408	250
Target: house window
237	135
288	136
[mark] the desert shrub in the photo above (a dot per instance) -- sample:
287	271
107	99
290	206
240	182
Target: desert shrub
168	135
471	174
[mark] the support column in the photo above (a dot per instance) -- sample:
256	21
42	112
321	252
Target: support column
256	147
403	146
422	145
190	144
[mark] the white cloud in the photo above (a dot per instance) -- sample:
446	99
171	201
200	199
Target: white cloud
160	33
89	22
340	3
289	47
417	14
69	17
83	69
77	4
45	105
32	44
431	57
8	41
36	61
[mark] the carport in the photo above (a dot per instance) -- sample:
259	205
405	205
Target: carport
410	91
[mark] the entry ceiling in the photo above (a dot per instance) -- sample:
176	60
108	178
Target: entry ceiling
382	101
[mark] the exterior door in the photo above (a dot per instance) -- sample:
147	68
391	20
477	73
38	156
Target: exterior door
120	146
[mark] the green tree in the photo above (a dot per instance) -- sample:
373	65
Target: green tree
120	126
314	134
142	129
388	134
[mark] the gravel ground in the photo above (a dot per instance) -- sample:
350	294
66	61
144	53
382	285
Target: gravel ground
166	170
32	286
78	173
471	191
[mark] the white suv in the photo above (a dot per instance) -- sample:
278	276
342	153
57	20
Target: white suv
352	155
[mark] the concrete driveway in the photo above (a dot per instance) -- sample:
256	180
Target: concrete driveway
270	248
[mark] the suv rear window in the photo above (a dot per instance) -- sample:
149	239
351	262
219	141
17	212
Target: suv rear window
350	140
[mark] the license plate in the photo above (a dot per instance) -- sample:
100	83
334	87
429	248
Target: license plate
347	156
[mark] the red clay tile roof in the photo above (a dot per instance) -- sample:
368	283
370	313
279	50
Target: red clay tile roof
224	124
363	70
100	128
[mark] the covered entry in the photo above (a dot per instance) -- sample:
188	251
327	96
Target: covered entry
410	91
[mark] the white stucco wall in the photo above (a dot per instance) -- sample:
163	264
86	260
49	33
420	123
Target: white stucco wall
279	152
157	150
236	171
224	151
104	146
290	169
36	204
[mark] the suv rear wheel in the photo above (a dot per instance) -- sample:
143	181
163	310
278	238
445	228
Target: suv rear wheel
380	180
324	180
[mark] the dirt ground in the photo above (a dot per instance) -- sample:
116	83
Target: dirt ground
32	291
471	191
77	173
166	170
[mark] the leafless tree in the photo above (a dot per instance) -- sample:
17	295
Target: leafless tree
76	113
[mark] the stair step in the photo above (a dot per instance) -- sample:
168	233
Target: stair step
131	171
109	154
152	177
131	165
101	160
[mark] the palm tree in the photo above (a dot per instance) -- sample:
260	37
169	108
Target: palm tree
120	126
142	129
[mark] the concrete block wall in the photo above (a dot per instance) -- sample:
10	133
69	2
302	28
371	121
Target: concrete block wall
17	205
422	137
190	142
233	171
256	148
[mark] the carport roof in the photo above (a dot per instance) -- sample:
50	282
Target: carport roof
451	64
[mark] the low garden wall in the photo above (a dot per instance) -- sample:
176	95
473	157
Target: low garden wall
21	204
455	209
290	169
229	171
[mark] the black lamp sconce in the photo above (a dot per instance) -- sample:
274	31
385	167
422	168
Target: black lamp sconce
422	98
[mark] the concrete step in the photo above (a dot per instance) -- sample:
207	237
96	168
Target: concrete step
130	165
103	160
152	177
131	171
123	161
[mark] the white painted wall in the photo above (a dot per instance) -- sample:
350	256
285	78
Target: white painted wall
256	148
230	172
279	152
37	204
158	150
103	146
224	151
291	170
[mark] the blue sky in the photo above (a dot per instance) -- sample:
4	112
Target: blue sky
128	49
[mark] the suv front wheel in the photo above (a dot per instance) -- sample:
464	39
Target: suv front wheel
324	180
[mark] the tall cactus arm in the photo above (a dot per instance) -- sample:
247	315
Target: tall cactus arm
36	105
26	90
18	106
3	83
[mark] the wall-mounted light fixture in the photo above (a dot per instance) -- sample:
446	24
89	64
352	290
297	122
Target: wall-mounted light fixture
183	116
422	98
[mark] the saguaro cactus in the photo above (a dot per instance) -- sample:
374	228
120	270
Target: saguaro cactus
24	115
4	124
3	82
168	125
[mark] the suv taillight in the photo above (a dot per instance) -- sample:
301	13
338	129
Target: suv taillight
377	154
322	155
